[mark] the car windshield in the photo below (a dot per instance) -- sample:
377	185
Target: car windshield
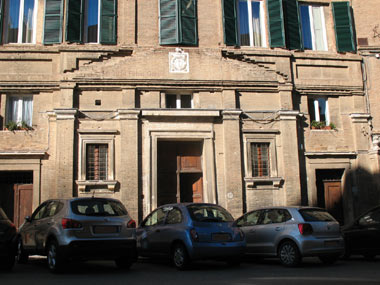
316	215
209	213
3	216
98	207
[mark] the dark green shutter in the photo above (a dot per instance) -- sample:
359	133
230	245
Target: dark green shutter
74	20
188	22
230	23
343	26
53	21
108	10
168	22
292	25
276	23
1	20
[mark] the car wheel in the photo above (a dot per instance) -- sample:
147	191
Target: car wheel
180	257
123	262
22	257
328	259
289	254
54	258
8	262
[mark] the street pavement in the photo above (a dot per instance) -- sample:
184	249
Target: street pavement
268	271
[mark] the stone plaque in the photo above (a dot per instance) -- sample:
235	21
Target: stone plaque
178	61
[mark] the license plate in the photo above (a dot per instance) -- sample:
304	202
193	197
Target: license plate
106	229
221	237
330	243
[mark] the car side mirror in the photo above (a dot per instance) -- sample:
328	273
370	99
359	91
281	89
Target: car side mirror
28	219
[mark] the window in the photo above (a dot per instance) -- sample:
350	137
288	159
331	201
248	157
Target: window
176	101
174	217
90	21
251	23
275	216
178	22
249	219
20	109
313	27
19	21
156	218
319	111
97	162
260	159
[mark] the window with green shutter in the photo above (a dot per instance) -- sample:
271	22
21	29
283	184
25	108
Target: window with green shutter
53	21
91	21
178	22
276	23
343	26
292	25
229	22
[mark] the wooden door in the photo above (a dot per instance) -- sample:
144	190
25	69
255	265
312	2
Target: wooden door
23	197
333	199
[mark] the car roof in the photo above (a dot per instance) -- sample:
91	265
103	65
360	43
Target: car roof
287	207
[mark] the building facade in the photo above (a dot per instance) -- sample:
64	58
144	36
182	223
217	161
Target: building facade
244	103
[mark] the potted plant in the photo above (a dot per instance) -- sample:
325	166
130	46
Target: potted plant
314	125
11	126
332	126
25	126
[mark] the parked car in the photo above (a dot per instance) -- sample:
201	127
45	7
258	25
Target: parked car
291	233
190	231
7	242
363	235
79	229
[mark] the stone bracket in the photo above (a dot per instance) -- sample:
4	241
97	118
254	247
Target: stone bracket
253	182
84	184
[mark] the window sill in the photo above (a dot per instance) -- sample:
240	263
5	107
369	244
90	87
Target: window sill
263	182
84	184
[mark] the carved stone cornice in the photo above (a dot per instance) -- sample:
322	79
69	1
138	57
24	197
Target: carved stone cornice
289	115
65	114
231	114
360	117
126	114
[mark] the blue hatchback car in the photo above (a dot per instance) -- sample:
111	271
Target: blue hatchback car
190	231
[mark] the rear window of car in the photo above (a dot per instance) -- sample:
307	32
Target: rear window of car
98	207
207	213
3	216
316	215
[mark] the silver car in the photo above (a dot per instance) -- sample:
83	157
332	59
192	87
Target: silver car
78	228
291	233
190	231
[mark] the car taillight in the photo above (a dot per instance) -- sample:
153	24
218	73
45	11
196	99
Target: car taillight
305	229
131	224
70	224
194	235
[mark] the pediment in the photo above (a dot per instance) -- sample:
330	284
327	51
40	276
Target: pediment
153	64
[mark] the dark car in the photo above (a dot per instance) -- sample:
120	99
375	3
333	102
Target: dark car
79	229
7	242
363	235
190	231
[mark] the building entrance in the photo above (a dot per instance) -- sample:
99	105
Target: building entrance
179	169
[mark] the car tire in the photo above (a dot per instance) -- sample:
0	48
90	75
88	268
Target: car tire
328	259
124	262
8	262
289	254
55	260
180	257
21	256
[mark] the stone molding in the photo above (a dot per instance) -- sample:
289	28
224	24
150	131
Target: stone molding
253	182
360	117
83	184
65	114
231	115
180	113
326	153
289	115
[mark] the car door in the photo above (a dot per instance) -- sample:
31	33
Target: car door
365	235
30	228
248	224
268	231
170	230
148	233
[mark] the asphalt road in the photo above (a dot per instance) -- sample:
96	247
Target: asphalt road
269	271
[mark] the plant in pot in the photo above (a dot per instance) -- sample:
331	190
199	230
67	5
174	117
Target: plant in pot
315	125
11	126
25	126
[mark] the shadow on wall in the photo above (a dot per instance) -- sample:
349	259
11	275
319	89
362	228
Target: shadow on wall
361	192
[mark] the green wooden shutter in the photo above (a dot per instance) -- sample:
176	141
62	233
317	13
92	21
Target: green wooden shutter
1	19
230	23
276	23
74	20
168	22
292	25
53	21
108	13
343	26
188	22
